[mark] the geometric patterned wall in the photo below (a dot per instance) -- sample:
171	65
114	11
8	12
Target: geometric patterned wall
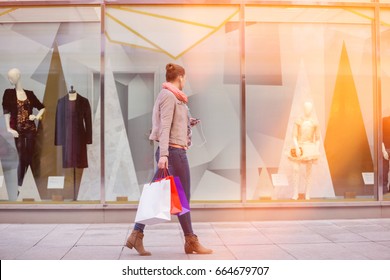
346	140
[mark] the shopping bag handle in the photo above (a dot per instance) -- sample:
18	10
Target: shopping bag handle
161	174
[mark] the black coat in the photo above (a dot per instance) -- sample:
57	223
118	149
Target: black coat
73	130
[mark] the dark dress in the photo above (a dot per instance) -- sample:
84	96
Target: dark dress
73	130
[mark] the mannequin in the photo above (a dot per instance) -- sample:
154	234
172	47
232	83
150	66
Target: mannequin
73	130
18	105
385	152
306	139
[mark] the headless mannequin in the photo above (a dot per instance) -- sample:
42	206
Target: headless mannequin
14	78
305	135
386	157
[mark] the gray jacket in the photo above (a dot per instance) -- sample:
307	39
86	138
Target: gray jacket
169	121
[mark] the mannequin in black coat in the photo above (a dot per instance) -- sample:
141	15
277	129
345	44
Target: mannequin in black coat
73	129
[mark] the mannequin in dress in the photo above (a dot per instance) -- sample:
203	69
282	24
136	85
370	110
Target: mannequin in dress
385	152
306	139
18	105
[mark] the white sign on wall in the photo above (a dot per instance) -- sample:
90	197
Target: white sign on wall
56	182
368	178
1	181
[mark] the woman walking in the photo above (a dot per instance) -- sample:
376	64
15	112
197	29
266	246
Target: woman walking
171	128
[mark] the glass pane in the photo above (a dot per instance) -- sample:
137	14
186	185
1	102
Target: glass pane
53	50
141	41
385	79
309	87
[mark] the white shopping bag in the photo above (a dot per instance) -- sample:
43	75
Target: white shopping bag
155	203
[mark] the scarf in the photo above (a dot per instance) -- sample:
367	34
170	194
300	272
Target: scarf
177	92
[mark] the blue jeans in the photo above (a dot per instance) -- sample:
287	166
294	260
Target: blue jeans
177	166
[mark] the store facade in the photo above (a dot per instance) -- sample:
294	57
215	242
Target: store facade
259	75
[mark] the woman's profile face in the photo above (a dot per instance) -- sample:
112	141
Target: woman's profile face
182	81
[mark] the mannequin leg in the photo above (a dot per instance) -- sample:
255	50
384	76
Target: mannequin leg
20	144
308	180
25	146
296	166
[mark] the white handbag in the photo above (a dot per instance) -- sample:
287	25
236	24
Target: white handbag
155	203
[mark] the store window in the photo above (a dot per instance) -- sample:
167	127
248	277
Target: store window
49	57
309	86
141	40
299	60
385	81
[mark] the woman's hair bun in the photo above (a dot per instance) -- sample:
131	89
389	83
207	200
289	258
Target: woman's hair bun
173	71
169	66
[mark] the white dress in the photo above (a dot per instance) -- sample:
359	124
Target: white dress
306	131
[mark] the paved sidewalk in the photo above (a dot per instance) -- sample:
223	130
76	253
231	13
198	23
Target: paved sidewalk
276	240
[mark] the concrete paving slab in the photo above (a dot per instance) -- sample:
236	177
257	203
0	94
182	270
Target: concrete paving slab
337	234
371	250
259	252
219	253
324	251
365	228
12	251
109	226
163	238
158	253
241	237
44	253
106	237
232	225
377	235
283	224
297	229
296	238
94	253
351	222
3	226
384	243
63	236
24	235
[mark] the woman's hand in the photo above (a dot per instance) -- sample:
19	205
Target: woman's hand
194	121
163	162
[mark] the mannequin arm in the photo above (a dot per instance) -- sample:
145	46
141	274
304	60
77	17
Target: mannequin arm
317	138
14	133
384	152
295	140
38	116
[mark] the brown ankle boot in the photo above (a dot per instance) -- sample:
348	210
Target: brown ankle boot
192	245
135	241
